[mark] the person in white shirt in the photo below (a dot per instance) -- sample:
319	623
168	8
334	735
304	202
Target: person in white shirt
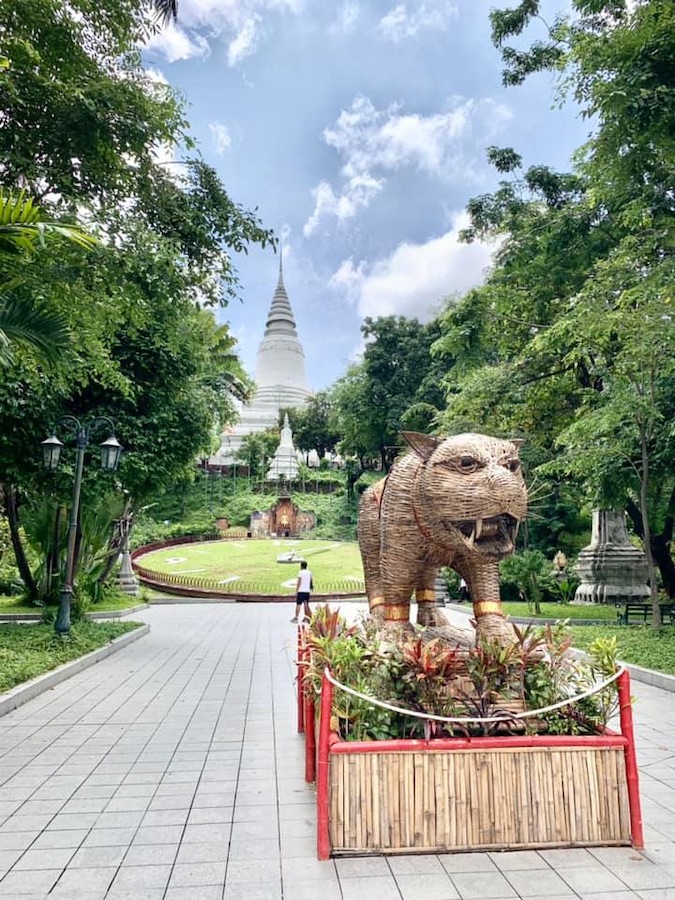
303	587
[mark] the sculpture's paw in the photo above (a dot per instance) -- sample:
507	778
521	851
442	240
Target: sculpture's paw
377	614
397	632
495	628
463	638
430	616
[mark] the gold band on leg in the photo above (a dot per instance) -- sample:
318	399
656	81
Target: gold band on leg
378	600
488	607
425	596
396	613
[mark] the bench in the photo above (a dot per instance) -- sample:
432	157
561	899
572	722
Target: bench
642	612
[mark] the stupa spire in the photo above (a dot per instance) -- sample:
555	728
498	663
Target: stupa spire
280	319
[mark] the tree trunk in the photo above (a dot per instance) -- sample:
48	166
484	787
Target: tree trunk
664	561
19	552
53	563
644	484
660	544
114	545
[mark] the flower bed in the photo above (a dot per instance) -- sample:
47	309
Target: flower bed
441	794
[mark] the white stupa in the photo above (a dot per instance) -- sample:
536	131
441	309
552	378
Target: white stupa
284	464
279	376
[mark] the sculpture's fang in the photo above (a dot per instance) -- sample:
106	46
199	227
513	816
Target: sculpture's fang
486	532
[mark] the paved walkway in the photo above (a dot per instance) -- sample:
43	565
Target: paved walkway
173	770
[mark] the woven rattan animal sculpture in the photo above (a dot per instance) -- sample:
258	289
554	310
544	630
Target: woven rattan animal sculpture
455	502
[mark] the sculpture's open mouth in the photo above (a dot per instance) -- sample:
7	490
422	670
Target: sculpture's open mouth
496	535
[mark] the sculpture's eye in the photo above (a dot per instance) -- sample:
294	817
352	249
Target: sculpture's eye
467	464
513	465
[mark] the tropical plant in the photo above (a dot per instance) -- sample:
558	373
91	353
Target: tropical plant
24	230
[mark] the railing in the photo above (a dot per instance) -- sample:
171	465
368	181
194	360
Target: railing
340	587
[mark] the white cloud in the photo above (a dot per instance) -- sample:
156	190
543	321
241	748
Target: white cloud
245	42
414	277
399	24
375	142
240	23
347	17
221	136
356	195
175	44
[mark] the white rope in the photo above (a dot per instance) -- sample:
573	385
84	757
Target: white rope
467	719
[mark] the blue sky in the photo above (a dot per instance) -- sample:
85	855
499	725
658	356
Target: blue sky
358	129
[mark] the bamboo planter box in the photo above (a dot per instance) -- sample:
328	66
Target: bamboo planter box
460	794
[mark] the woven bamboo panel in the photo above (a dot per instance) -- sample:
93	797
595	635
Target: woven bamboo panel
472	800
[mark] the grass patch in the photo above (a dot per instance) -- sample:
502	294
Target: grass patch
27	651
256	561
638	644
15	605
561	611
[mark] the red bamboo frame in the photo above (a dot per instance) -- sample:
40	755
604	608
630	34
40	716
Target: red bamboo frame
310	737
330	743
626	719
322	773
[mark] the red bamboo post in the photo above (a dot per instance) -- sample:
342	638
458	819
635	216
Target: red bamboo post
322	771
300	670
310	737
626	719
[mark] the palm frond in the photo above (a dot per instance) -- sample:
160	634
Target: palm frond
23	228
167	10
44	329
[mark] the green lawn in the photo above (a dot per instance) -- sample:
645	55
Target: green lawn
15	606
30	650
256	561
561	611
638	644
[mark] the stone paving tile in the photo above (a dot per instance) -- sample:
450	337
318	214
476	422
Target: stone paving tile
479	885
427	886
195	874
364	867
537	883
299	892
381	887
201	892
466	862
85	880
592	878
610	895
45	859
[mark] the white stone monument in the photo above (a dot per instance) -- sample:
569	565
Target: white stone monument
284	464
279	376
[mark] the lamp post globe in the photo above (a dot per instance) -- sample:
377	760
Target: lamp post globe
51	452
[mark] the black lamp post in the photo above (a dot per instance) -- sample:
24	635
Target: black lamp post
110	457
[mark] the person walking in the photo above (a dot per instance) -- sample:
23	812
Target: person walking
303	588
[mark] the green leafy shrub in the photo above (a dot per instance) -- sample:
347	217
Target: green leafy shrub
485	681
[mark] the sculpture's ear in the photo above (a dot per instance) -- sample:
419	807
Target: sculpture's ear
517	442
423	444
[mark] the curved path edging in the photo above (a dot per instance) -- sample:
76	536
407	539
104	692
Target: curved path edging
22	693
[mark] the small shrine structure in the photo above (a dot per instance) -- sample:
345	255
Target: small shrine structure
284	463
610	568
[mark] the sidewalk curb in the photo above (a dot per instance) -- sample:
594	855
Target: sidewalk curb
90	616
650	676
22	693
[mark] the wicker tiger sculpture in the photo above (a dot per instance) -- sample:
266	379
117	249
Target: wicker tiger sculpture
456	502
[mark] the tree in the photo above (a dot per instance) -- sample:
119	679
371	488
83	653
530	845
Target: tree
313	425
81	124
257	450
396	382
557	344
